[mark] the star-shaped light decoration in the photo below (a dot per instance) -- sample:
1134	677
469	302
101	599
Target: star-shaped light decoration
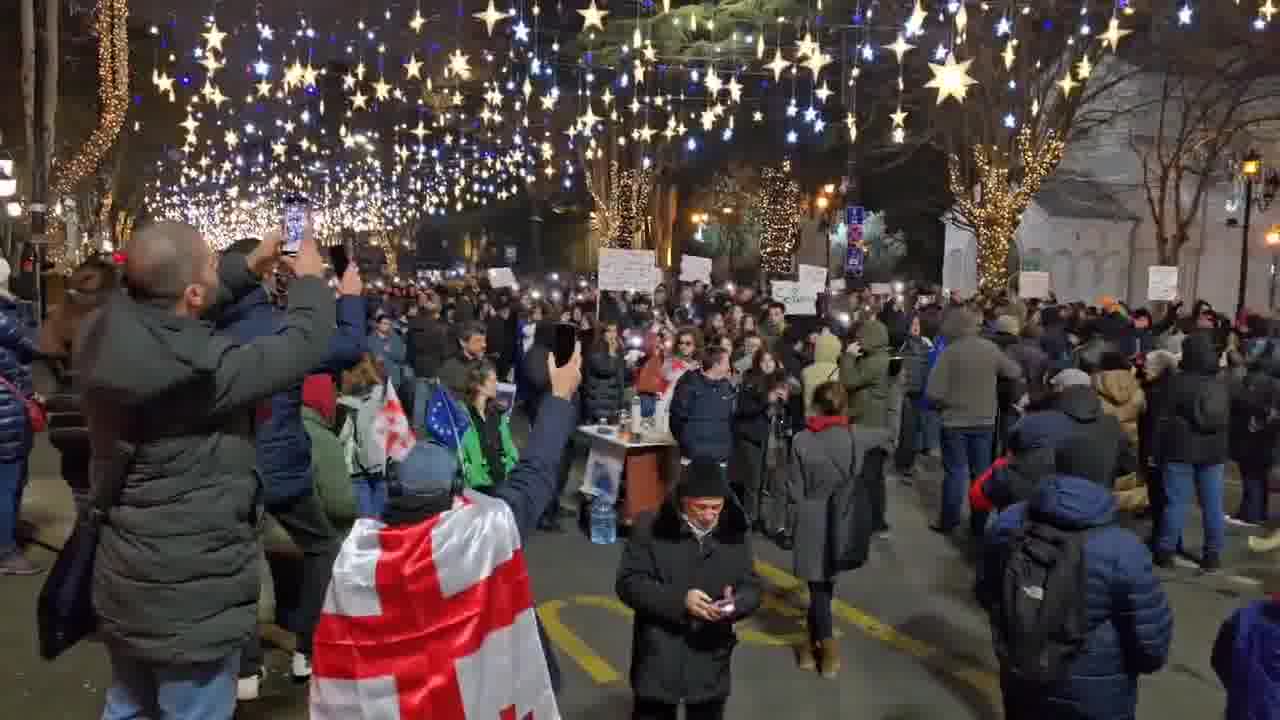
419	132
817	61
490	17
735	89
361	69
348	82
164	84
708	120
1067	83
1184	15
264	88
526	88
382	89
293	75
459	66
806	46
852	122
900	47
713	82
1009	54
647	133
899	117
289	127
651	53
1084	68
521	31
211	64
360	101
1268	10
413	68
588	119
190	124
778	65
593	17
309	76
232	139
823	92
915	23
214	37
639	72
417	22
216	97
1111	38
607	97
278	149
548	101
951	79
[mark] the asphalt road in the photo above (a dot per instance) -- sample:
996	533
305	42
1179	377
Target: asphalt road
914	643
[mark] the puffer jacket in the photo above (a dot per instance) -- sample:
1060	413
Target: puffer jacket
1246	658
1122	398
1197	415
603	384
702	416
17	348
1129	619
675	657
825	368
915	364
186	519
867	377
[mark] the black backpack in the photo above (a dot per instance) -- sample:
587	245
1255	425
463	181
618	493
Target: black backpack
1039	624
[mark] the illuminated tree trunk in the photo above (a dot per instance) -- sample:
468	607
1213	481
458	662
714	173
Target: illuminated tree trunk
994	245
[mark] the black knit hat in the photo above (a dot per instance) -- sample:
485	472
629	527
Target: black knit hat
704	478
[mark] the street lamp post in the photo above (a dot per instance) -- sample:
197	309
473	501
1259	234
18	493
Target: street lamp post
1251	170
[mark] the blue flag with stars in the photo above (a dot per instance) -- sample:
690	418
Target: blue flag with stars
447	421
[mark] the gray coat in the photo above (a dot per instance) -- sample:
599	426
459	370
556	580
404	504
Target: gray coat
819	465
176	576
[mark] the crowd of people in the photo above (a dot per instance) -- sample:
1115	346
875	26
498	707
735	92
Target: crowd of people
1074	438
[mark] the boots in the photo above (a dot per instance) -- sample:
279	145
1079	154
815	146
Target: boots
805	657
829	659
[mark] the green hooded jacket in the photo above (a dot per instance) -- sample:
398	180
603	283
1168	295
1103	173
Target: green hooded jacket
867	377
475	467
329	471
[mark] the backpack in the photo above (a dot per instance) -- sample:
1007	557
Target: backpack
364	456
849	514
1039	624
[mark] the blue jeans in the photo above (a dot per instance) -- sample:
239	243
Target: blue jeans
371	494
151	691
13	481
966	452
930	431
1181	481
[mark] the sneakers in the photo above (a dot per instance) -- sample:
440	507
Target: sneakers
884	533
249	688
300	668
15	562
1237	521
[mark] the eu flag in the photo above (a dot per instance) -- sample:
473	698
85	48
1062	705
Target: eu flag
447	421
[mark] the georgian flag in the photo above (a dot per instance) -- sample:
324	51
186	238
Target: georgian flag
434	620
391	432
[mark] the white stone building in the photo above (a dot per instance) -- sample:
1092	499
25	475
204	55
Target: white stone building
1090	226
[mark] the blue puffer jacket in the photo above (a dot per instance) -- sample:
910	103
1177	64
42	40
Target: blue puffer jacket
17	348
284	450
702	416
1128	613
1246	657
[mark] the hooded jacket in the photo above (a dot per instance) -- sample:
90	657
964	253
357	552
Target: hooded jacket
1246	658
675	657
825	368
186	518
284	452
1129	619
963	382
867	377
1122	398
17	349
1197	414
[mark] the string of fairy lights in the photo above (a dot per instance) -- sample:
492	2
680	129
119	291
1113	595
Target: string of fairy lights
380	137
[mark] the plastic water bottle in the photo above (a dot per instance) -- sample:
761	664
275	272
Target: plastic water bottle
637	416
604	522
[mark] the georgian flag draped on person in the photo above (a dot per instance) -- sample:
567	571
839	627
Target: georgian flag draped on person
431	620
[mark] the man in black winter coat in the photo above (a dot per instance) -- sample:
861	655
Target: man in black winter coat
702	409
687	573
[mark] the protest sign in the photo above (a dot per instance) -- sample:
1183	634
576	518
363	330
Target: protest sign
812	275
798	299
622	270
502	277
1162	282
1033	284
695	269
881	288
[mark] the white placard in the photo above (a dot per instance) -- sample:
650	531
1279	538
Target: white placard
1033	284
798	299
622	270
813	276
1162	282
502	277
836	285
881	288
695	269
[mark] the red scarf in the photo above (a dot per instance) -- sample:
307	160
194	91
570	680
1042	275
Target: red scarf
818	423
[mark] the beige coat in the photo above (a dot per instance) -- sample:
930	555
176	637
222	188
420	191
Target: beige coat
1122	398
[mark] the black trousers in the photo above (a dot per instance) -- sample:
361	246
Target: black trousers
873	470
655	710
821	626
905	455
304	519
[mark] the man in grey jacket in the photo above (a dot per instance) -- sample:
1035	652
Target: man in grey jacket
169	402
963	386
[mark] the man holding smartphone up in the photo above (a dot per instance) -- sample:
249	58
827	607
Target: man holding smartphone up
687	573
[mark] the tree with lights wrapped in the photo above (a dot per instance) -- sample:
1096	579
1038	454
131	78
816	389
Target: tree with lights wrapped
778	201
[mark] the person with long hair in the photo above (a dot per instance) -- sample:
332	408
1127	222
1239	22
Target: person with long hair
759	422
604	384
488	452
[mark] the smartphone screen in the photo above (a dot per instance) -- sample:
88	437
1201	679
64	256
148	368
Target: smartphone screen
566	342
295	223
338	256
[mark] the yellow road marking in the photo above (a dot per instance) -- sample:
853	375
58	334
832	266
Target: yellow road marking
592	664
983	680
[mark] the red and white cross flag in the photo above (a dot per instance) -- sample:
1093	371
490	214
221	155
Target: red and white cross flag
391	431
433	620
